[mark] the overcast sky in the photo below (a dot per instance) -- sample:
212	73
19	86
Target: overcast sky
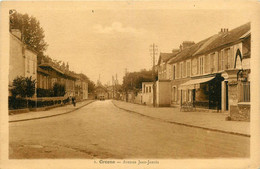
105	41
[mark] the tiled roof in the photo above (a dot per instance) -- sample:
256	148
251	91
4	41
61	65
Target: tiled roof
226	38
166	56
188	52
216	41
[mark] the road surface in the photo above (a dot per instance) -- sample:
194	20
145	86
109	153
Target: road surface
101	130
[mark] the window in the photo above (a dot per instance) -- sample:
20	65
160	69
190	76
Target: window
228	59
146	89
34	68
150	89
216	62
177	71
184	69
206	64
194	66
188	68
220	61
201	65
181	69
173	72
28	65
245	92
212	60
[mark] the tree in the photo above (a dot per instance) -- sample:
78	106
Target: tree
133	81
23	87
32	32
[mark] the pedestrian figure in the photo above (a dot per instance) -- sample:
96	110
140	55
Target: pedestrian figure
74	101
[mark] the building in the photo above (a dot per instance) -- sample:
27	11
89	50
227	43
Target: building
101	92
81	87
163	97
22	60
48	75
147	93
214	73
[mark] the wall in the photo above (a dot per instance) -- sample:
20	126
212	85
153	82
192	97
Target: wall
163	94
147	97
16	59
32	57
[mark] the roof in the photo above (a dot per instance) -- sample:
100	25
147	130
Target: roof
26	46
66	73
50	66
188	52
147	82
225	38
42	70
213	42
166	56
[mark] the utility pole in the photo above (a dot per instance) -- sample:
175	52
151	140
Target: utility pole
113	86
153	52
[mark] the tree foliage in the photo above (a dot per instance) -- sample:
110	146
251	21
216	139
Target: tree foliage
133	80
23	87
91	84
32	32
59	89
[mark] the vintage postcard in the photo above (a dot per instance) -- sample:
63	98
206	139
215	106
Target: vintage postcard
130	84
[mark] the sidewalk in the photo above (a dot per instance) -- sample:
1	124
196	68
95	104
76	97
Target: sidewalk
204	120
49	113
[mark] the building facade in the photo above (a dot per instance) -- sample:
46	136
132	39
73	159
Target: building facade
48	75
214	73
147	93
22	59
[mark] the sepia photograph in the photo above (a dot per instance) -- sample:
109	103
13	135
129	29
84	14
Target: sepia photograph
129	83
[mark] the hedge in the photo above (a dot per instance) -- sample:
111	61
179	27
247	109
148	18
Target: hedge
21	103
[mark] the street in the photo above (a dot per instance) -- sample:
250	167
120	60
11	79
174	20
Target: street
101	130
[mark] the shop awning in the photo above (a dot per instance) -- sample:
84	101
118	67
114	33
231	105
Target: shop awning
194	83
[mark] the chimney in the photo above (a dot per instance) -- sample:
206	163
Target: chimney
17	33
67	66
186	44
180	47
223	30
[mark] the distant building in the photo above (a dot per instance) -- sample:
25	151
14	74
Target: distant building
101	91
22	60
81	87
147	93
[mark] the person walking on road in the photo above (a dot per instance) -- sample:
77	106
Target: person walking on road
74	101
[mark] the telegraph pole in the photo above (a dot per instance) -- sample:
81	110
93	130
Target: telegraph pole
153	52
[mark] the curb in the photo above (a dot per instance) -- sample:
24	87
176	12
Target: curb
183	124
43	117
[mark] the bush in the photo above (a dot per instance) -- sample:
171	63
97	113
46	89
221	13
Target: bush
23	87
45	92
21	103
16	103
59	89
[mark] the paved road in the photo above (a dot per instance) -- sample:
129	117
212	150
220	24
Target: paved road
100	130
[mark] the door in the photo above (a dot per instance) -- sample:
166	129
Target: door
227	105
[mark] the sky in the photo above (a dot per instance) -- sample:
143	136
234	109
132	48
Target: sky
96	40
